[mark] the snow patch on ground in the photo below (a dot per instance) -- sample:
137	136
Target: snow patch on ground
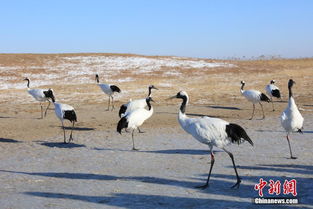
81	69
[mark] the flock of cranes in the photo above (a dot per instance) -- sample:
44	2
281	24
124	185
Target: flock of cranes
213	132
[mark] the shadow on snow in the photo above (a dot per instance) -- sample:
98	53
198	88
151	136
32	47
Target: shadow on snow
219	183
62	145
6	140
133	201
223	107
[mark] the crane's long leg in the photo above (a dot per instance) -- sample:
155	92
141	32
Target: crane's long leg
63	132
109	104
272	104
238	178
41	110
112	103
252	111
71	136
207	181
292	157
262	110
47	108
133	140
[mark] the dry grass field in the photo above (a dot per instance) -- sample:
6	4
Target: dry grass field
208	82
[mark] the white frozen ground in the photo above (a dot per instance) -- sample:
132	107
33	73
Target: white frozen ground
100	171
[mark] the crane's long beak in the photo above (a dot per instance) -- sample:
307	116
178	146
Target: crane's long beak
173	97
155	88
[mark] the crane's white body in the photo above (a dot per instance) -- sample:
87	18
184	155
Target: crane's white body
134	105
291	118
252	95
137	117
269	88
210	131
38	94
106	88
60	109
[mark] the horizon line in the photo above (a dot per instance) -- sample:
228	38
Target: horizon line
260	57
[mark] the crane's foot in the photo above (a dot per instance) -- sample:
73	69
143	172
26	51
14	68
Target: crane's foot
135	149
292	157
236	186
202	186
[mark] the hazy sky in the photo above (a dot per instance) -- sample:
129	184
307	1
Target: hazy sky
195	28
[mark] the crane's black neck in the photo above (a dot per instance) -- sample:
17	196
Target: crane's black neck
242	85
97	78
149	91
290	90
183	104
148	99
27	82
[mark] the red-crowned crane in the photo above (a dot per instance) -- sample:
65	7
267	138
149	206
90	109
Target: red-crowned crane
65	112
109	90
212	132
272	91
133	120
41	95
135	104
254	97
291	118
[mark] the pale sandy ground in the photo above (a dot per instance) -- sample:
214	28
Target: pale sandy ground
99	170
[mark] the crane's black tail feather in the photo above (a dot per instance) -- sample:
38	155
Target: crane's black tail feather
237	134
122	124
276	93
115	88
123	109
70	115
264	98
